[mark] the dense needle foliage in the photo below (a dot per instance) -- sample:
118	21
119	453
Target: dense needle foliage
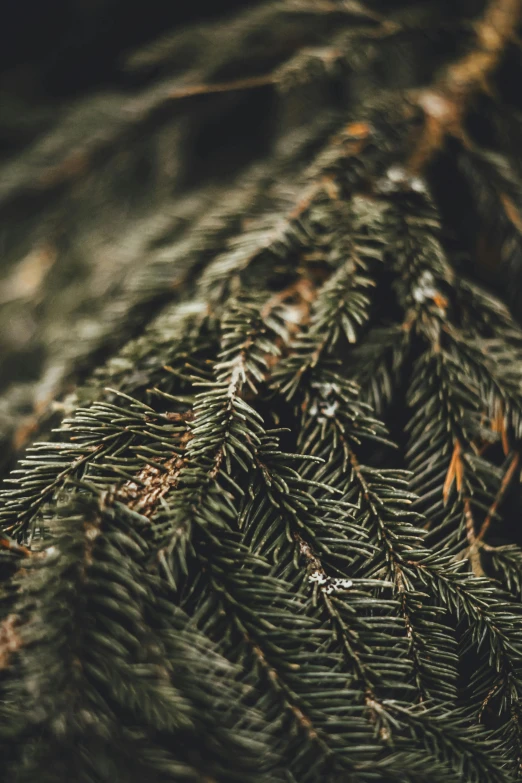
261	505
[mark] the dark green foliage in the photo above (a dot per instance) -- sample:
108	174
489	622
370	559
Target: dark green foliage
269	527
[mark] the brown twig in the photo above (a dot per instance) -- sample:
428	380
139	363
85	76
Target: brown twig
211	89
14	546
455	472
499	424
473	552
504	484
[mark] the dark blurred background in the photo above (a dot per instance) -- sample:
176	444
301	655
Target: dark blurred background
54	50
61	47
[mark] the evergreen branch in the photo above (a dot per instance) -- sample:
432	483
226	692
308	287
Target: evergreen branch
341	308
188	593
269	622
225	431
468	750
102	431
495	627
350	631
335	428
89	680
395	563
445	391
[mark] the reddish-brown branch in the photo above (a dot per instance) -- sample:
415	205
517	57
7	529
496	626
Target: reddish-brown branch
446	103
230	86
13	546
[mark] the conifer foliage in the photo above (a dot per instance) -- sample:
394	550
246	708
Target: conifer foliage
261	507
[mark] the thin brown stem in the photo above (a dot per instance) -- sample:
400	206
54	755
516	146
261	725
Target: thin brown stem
234	85
505	483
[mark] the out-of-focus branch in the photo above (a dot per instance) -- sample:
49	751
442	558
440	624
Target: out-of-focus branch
445	103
